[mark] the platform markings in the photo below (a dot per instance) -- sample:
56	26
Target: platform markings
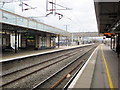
107	70
72	85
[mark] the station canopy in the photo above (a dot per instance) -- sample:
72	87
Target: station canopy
15	21
108	15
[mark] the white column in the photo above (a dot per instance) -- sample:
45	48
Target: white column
39	41
12	40
48	41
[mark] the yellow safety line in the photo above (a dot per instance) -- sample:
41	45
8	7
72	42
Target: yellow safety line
107	70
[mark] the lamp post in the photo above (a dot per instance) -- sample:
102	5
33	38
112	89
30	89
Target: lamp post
72	39
66	35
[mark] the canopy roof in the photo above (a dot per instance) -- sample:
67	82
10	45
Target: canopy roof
108	15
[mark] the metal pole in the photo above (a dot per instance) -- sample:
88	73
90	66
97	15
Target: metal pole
46	5
72	38
15	41
118	45
58	41
66	35
118	39
52	6
111	42
114	43
36	41
21	4
18	41
50	40
26	42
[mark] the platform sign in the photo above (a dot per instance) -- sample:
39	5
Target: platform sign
30	37
108	35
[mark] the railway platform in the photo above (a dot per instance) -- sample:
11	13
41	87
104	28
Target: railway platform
100	71
27	53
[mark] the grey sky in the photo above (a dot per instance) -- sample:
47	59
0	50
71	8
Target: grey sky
82	16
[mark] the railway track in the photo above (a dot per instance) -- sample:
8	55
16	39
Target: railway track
44	64
16	78
39	59
55	80
33	66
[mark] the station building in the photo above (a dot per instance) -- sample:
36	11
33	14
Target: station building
19	32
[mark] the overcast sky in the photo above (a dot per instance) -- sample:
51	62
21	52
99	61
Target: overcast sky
80	19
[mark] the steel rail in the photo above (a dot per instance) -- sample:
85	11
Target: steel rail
56	84
65	76
37	64
40	68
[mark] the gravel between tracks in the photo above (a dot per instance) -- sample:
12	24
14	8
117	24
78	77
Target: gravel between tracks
7	67
32	80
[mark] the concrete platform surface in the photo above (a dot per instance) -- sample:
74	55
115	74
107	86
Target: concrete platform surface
100	71
27	53
103	78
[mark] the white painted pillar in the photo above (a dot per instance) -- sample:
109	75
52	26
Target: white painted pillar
12	40
48	40
39	42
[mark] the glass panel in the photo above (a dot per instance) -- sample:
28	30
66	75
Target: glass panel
0	15
44	27
32	24
40	26
54	30
50	28
21	21
9	18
